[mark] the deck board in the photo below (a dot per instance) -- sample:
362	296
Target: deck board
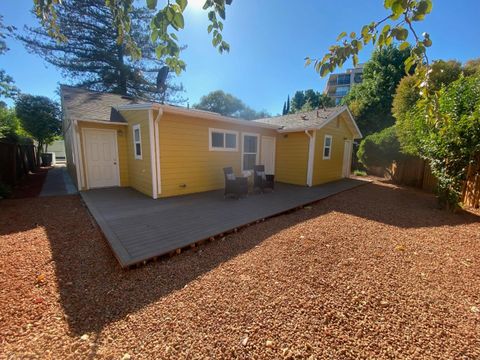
139	228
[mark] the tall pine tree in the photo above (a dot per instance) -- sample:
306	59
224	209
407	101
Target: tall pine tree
7	87
92	56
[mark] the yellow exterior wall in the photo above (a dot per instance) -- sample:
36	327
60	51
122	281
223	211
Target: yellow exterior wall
122	149
186	163
292	158
330	170
140	170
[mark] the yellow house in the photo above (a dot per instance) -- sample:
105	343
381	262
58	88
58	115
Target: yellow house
164	150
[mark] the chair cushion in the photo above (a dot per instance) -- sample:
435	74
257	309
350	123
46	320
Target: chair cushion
262	174
231	176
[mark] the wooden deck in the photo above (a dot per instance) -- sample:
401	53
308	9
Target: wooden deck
139	228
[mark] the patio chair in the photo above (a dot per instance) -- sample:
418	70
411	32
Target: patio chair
236	186
261	180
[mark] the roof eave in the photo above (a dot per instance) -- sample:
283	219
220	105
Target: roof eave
103	122
194	113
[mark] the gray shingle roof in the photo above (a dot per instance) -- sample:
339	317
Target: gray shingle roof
83	104
306	120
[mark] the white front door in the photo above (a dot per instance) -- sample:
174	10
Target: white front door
101	158
268	154
347	158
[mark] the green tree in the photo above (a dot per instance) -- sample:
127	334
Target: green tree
380	149
406	98
167	21
287	111
7	87
398	25
228	105
40	118
309	100
10	128
91	55
164	25
371	100
409	129
471	67
452	136
298	101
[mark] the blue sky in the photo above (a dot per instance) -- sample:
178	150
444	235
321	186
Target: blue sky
269	40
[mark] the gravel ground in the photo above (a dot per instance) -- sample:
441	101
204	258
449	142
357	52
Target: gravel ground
375	272
31	185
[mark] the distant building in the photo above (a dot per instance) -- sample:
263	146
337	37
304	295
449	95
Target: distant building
339	85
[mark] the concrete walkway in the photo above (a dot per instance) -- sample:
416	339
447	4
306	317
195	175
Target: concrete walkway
58	182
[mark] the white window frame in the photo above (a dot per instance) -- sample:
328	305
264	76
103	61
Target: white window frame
329	147
243	148
137	127
224	132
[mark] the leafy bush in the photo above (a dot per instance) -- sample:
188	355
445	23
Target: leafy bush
10	128
453	137
380	149
359	173
410	119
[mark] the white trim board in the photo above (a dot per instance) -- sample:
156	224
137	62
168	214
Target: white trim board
311	156
195	113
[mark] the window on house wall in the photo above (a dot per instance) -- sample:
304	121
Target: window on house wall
137	141
327	147
250	151
223	140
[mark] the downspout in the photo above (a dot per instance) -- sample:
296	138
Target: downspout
157	150
311	156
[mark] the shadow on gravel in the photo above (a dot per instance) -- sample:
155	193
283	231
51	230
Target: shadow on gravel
95	291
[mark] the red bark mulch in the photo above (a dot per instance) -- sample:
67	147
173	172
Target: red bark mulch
377	272
31	185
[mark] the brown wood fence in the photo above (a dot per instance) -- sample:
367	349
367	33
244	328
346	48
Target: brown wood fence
416	172
471	188
16	161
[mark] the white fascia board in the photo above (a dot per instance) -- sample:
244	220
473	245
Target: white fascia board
197	113
102	122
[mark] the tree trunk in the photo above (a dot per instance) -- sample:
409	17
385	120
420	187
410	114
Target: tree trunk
39	153
122	76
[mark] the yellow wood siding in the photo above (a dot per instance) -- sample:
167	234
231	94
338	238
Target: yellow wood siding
140	170
187	165
292	158
122	149
330	170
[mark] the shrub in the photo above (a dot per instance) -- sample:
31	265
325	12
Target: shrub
453	139
359	173
380	149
